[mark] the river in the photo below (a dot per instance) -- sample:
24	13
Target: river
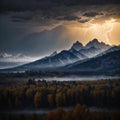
78	78
45	111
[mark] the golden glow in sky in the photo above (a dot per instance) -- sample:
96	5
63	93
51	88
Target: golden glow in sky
107	31
103	30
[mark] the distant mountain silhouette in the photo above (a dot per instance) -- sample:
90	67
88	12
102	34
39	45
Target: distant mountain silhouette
77	53
61	59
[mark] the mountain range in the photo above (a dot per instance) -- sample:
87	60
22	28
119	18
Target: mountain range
94	56
107	63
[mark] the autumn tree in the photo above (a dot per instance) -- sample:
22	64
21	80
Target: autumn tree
37	99
59	99
51	100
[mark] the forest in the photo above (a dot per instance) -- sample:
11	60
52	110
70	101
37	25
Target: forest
79	95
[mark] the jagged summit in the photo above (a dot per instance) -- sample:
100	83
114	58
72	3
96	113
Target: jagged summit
95	43
77	45
92	43
95	40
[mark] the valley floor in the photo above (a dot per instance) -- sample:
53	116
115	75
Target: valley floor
29	99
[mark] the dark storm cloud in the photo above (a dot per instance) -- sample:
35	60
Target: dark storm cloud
23	5
43	11
22	16
92	14
84	20
59	14
69	18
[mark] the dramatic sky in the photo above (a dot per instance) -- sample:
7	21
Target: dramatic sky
39	27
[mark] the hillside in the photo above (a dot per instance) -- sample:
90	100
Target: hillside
108	63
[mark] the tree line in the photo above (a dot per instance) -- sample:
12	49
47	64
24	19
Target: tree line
53	94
